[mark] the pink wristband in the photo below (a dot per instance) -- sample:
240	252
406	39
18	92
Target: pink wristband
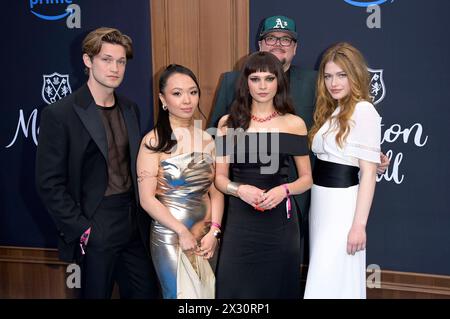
217	225
288	201
84	240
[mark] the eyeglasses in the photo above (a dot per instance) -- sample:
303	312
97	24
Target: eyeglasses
284	41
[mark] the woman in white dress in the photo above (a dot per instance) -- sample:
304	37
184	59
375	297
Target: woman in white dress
346	140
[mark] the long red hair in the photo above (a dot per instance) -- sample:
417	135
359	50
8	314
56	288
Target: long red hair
352	62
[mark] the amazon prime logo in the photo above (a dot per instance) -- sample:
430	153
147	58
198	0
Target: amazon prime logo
377	89
55	86
366	4
52	10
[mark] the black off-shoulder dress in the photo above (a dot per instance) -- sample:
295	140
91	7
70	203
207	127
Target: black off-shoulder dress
260	251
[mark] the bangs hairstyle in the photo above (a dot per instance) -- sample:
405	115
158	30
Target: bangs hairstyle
240	111
352	62
92	43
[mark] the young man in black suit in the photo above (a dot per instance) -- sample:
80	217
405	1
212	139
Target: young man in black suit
86	175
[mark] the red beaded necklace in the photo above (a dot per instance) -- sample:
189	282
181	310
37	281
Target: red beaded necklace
267	118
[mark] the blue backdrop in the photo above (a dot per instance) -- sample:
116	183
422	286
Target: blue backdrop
33	45
409	225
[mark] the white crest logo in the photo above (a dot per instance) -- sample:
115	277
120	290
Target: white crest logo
55	86
377	88
280	24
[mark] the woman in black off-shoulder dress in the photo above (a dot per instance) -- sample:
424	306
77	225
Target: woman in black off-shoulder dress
260	250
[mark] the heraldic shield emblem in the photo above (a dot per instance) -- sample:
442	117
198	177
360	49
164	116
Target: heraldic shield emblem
55	86
377	89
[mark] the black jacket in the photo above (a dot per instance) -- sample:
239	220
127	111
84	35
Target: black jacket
71	165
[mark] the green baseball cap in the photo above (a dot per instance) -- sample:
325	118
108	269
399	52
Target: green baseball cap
278	24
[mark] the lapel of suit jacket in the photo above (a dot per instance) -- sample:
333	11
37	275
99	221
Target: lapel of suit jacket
87	111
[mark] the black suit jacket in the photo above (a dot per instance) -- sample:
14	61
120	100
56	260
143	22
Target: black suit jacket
71	165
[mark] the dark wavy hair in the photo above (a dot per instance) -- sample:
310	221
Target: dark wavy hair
163	129
240	111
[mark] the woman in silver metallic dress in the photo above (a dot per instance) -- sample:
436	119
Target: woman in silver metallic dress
175	173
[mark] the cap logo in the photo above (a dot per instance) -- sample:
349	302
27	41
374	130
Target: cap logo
280	24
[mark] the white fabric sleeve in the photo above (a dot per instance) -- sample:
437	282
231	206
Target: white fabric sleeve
363	141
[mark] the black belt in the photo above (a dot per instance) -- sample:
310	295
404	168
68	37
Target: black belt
328	174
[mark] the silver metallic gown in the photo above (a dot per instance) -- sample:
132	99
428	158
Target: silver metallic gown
183	184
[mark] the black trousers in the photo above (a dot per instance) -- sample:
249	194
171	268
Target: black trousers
116	253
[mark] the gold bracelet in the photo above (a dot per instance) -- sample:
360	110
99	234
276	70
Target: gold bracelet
232	188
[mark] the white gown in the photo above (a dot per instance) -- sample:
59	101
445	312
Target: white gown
332	273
